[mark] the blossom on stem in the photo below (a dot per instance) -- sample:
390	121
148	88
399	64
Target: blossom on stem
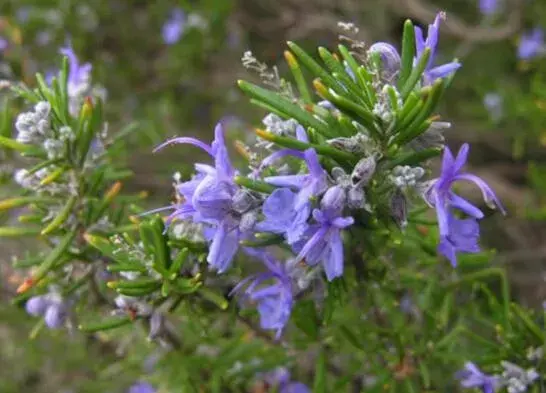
282	217
310	185
212	198
50	306
174	27
275	300
441	197
472	377
141	387
431	72
531	44
489	7
323	242
79	75
462	237
390	58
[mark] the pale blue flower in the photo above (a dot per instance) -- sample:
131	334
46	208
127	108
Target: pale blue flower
322	242
174	27
272	291
472	377
531	44
432	72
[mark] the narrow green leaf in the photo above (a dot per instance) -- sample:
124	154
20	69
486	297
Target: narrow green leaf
53	256
18	231
213	297
255	185
319	385
415	74
61	218
11	203
270	240
408	53
20	147
414	158
315	68
324	150
111	323
362	82
298	77
289	109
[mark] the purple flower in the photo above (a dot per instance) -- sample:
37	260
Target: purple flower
493	104
531	44
295	387
3	44
310	185
442	197
472	377
280	377
489	7
141	387
323	243
79	75
272	291
432	73
174	27
282	217
51	307
209	198
462	237
390	57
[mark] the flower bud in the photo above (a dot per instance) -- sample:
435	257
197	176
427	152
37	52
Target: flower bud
242	201
42	109
363	171
156	325
389	57
399	209
356	198
55	315
248	220
37	305
334	199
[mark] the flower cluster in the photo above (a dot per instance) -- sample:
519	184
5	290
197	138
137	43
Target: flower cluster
293	196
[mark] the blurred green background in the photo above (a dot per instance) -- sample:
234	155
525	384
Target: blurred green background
187	86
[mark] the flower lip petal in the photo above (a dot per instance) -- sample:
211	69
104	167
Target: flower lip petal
185	140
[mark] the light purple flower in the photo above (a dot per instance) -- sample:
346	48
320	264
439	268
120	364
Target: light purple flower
174	27
489	7
79	75
310	185
3	44
463	237
209	198
141	387
323	242
472	377
37	305
282	217
493	104
272	291
390	57
295	387
442	198
432	73
280	377
51	307
531	44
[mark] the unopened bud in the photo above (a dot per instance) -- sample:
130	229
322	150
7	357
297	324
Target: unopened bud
399	209
390	58
363	171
